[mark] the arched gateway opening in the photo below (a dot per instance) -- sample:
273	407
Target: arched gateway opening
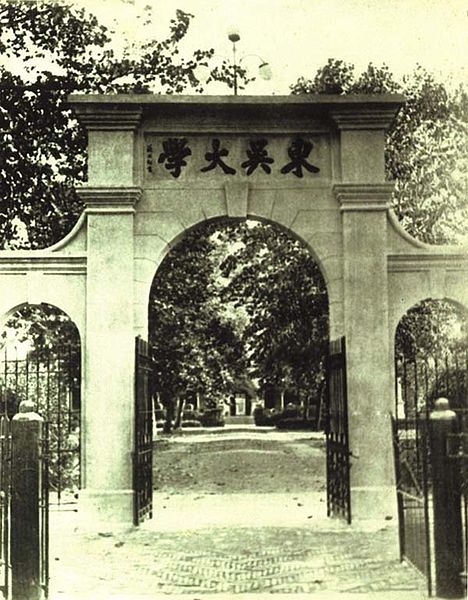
159	166
238	339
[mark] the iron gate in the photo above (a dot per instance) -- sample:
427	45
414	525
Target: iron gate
457	450
420	380
5	475
50	379
336	429
143	434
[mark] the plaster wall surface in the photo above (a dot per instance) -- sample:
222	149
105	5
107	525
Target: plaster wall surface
109	366
38	281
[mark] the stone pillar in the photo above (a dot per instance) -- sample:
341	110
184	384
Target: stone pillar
363	198
106	500
27	555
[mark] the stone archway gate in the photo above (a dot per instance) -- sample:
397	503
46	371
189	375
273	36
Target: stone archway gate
159	165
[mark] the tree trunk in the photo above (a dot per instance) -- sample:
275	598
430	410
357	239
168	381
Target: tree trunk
180	409
170	411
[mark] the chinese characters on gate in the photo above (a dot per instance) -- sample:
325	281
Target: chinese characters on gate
175	152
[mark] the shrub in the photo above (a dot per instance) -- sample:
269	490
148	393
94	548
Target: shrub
264	416
212	417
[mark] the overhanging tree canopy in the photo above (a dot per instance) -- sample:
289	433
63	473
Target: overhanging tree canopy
234	300
48	50
426	146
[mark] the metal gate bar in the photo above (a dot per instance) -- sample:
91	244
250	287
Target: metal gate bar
336	429
50	378
419	381
5	473
143	451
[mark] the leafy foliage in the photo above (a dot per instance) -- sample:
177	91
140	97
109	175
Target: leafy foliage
336	77
428	159
202	339
40	361
279	285
30	323
426	156
431	328
244	299
50	49
431	357
426	152
195	345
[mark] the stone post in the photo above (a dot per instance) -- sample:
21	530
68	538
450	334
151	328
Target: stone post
108	409
448	543
26	559
363	197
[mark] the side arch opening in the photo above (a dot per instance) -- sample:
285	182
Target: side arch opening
431	361
40	362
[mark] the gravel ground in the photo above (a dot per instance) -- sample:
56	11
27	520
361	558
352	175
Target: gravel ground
257	461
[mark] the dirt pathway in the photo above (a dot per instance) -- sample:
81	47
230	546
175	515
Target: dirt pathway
259	461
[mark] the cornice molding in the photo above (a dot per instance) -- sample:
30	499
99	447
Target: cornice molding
363	118
363	196
21	262
96	118
449	262
109	199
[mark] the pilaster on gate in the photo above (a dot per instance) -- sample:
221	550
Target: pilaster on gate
107	414
364	212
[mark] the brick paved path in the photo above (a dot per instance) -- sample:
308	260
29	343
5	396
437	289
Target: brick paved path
320	557
218	538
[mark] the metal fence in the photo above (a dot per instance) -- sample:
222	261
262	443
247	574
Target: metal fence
419	382
5	475
336	430
50	378
457	452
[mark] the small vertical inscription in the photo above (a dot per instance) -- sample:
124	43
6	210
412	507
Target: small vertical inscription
149	158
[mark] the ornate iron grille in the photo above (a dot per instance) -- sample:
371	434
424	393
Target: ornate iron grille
336	429
44	509
143	452
50	378
457	450
419	382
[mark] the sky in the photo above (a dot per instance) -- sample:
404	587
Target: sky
297	36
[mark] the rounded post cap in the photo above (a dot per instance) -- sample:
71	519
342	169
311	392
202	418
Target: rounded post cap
26	406
442	411
26	412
